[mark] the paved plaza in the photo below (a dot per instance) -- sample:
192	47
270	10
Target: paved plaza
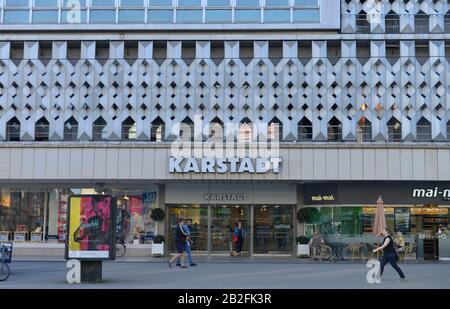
227	274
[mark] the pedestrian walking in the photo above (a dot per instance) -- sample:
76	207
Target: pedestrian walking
189	243
180	244
239	234
315	243
389	254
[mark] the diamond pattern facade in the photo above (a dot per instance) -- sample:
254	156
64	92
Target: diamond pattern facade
290	90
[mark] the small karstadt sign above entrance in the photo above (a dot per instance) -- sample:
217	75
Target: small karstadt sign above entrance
224	165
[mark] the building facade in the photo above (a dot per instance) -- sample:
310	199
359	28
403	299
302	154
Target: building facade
94	94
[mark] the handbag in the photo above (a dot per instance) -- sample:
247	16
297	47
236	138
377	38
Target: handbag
235	239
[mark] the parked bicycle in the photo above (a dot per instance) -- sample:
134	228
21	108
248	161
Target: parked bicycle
4	268
121	249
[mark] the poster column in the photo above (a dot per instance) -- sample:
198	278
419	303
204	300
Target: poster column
91	237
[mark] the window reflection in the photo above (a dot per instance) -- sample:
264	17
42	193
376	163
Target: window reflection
16	3
160	2
218	16
15	17
187	3
190	16
45	3
247	16
45	17
68	17
131	16
306	16
277	16
160	16
242	3
103	16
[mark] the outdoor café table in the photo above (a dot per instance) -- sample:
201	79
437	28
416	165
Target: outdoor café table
337	248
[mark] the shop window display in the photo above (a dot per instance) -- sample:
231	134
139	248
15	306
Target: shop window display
22	214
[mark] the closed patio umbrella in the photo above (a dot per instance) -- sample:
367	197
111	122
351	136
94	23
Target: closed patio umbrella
380	219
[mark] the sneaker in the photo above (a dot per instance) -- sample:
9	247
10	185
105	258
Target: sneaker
178	264
170	264
401	280
193	264
184	266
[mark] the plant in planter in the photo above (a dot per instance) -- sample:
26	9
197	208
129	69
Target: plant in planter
158	214
302	246
308	215
158	245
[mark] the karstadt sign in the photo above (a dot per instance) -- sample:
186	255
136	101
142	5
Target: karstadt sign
225	165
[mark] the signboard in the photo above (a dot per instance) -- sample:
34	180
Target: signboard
364	192
91	223
402	220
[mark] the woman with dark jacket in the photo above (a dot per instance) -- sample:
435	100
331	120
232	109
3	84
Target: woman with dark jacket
180	244
389	254
239	235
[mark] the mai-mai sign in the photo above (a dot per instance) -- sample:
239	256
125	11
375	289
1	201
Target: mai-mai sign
224	165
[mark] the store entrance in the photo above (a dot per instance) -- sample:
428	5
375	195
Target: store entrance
196	217
273	226
223	221
431	225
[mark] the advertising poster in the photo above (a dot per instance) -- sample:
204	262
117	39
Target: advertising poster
91	227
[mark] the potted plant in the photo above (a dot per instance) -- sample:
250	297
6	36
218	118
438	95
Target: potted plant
158	245
302	246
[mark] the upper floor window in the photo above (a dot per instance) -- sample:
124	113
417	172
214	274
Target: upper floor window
362	23
99	129
392	22
421	22
423	130
71	129
128	129
334	130
275	130
305	132
157	130
245	133
447	22
394	128
41	130
13	130
364	130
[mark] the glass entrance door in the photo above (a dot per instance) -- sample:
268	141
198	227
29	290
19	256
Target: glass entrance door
196	216
273	229
223	220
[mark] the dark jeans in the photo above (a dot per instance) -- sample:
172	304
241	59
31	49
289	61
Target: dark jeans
391	259
239	245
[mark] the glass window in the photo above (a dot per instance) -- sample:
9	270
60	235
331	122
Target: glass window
247	3
103	16
189	16
160	3
160	16
196	217
247	16
218	16
306	2
271	3
131	16
97	3
66	3
15	17
128	3
185	3
223	220
308	16
277	16
22	213
273	229
45	3
69	17
45	17
219	3
17	3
